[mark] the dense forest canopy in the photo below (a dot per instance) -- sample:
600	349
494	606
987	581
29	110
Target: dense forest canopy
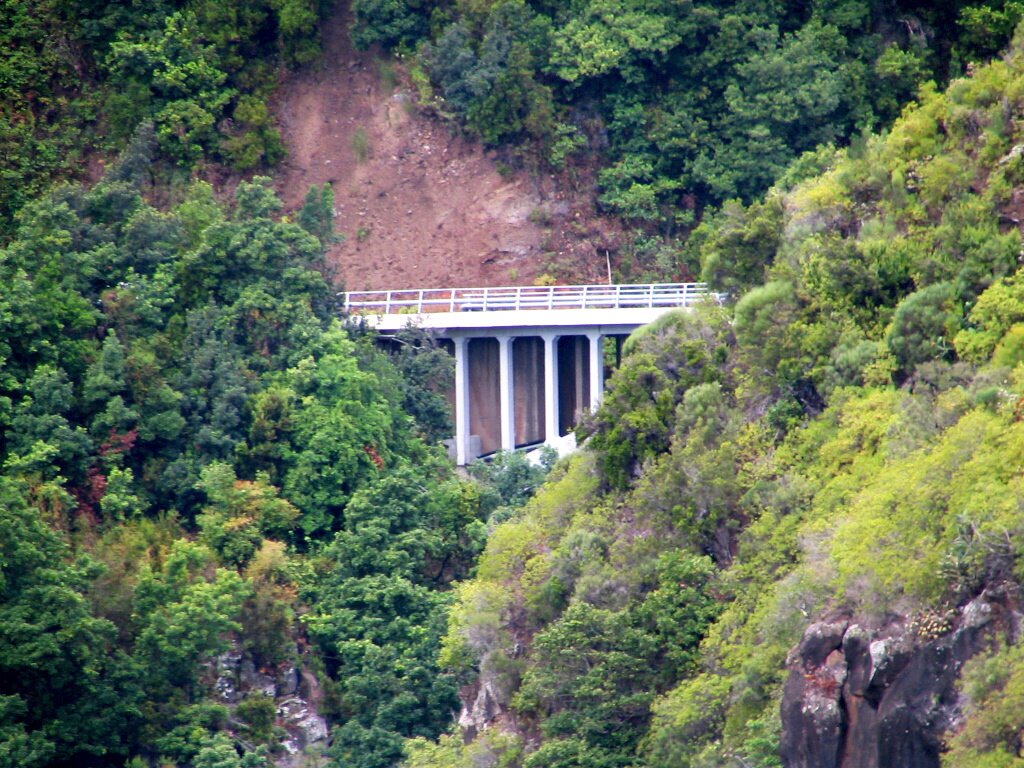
229	536
193	448
78	77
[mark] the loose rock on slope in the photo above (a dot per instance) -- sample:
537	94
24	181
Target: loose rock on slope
418	207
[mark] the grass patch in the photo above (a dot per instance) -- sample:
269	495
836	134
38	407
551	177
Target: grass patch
360	144
388	75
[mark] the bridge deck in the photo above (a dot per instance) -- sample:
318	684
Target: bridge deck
524	306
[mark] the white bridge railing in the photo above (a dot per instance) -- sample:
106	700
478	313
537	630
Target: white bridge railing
423	300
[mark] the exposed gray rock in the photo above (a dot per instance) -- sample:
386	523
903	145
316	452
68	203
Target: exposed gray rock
229	661
1013	154
308	734
287	680
811	705
254	681
977	613
883	697
227	670
303	724
482	712
226	690
820	639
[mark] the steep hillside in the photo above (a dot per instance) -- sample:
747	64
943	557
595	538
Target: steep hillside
680	105
793	536
229	536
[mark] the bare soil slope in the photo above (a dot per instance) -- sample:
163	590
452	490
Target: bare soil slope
419	207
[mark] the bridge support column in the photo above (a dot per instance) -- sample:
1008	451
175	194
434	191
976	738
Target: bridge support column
461	398
508	401
550	387
596	370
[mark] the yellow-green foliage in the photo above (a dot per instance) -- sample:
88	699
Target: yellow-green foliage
888	541
862	424
493	748
827	194
667	321
867	506
787	454
513	544
729	709
919	183
517	557
1010	351
685	718
891	523
997	309
944	177
474	623
991	734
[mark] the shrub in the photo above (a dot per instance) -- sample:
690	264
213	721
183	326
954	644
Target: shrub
923	326
997	309
360	144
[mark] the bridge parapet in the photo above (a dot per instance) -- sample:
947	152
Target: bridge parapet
514	298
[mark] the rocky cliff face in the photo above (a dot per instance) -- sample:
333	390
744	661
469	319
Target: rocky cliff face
884	695
296	695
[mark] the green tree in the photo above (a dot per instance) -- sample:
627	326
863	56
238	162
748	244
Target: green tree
392	23
317	214
427	372
342	436
592	669
68	693
184	617
181	77
380	610
41	418
923	326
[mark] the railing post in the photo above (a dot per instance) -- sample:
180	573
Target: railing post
387	303
451	296
419	303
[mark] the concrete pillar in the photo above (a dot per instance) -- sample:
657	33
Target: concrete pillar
484	429
528	387
461	399
580	403
550	387
506	387
596	370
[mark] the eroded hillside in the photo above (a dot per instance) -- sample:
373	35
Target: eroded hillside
419	206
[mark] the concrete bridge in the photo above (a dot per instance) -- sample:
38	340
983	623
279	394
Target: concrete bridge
529	360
